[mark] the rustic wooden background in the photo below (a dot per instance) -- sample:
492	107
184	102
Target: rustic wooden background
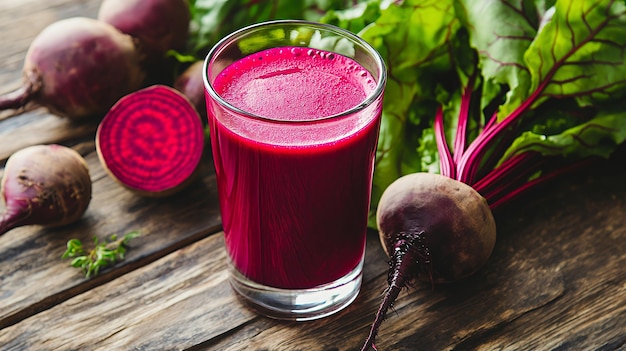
556	280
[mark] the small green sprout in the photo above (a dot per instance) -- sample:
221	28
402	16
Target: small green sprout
103	254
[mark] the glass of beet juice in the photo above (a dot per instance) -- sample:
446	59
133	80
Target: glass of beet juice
294	112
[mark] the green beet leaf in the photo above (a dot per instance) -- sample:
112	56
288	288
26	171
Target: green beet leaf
499	94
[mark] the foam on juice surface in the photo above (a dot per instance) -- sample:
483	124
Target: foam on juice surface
294	83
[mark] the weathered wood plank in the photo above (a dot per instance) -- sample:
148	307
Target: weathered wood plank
32	275
178	302
40	127
556	279
125	311
555	282
22	20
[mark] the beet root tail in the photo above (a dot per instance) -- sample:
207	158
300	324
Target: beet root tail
401	273
21	96
391	293
10	220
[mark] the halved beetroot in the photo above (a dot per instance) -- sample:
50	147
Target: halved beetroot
151	141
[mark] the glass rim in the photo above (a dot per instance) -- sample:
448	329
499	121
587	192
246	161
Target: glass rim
369	99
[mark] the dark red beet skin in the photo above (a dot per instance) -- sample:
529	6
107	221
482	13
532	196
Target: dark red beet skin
46	185
451	220
434	229
160	25
151	141
77	68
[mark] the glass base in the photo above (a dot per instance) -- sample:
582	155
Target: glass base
298	304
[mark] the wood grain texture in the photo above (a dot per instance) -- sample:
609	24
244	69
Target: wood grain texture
22	20
555	282
556	279
32	253
137	311
178	302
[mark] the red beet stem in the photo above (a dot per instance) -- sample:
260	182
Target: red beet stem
460	140
509	195
446	161
408	257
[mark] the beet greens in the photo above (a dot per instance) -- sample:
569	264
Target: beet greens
500	107
499	95
212	20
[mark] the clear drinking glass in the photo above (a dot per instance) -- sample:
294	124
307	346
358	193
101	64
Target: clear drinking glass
294	112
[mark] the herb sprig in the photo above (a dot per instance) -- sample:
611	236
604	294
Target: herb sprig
103	254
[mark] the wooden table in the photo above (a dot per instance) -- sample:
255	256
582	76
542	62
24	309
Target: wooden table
556	280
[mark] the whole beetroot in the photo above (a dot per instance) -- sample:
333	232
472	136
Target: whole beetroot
448	221
77	68
46	185
433	228
159	25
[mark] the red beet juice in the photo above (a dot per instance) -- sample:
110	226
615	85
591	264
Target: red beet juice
294	185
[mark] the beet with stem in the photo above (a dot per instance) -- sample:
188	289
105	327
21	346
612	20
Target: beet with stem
433	228
77	68
46	185
151	141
